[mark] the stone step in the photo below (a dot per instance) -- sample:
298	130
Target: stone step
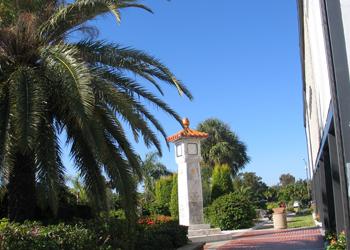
199	226
201	232
210	238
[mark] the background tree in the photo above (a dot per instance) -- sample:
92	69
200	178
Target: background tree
206	174
286	179
255	184
163	190
50	83
221	181
271	193
286	194
301	192
222	146
295	192
78	189
152	170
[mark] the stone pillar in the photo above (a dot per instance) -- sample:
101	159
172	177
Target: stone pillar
188	157
189	182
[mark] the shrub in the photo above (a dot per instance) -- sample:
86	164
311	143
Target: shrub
174	203
157	208
160	236
111	233
221	181
120	214
105	233
32	235
231	211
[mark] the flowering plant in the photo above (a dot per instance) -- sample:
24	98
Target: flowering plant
146	221
336	242
159	219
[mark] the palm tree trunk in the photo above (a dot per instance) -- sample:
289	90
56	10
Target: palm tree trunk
21	188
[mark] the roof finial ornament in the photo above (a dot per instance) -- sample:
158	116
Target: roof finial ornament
187	132
186	122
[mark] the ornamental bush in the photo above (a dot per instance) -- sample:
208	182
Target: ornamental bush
231	211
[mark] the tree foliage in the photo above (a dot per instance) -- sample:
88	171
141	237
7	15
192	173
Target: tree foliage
206	174
286	179
78	190
221	181
163	190
222	146
174	199
152	170
297	191
271	193
249	180
50	83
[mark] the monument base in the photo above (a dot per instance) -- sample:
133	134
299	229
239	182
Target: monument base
203	233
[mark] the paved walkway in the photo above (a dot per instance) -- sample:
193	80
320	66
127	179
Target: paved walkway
269	239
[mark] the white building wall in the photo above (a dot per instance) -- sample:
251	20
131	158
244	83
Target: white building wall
317	90
317	79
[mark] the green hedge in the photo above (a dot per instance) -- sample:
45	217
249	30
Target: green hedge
231	211
98	234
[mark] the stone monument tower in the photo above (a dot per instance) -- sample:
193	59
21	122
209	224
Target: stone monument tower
188	157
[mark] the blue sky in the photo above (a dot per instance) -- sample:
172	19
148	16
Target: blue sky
241	61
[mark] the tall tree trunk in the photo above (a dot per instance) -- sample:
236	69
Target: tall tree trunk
21	189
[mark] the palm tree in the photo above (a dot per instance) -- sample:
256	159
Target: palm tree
222	146
152	171
78	189
49	84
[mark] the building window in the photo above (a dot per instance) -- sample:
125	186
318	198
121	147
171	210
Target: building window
178	150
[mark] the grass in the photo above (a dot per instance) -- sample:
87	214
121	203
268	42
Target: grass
301	221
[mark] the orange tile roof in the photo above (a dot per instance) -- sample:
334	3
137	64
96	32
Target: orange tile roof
187	132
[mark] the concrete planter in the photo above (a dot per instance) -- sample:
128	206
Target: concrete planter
279	218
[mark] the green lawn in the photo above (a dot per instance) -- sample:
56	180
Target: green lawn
301	221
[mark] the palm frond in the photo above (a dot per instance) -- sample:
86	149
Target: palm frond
76	75
26	99
113	55
132	88
85	159
79	12
50	170
4	123
123	105
122	177
115	129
